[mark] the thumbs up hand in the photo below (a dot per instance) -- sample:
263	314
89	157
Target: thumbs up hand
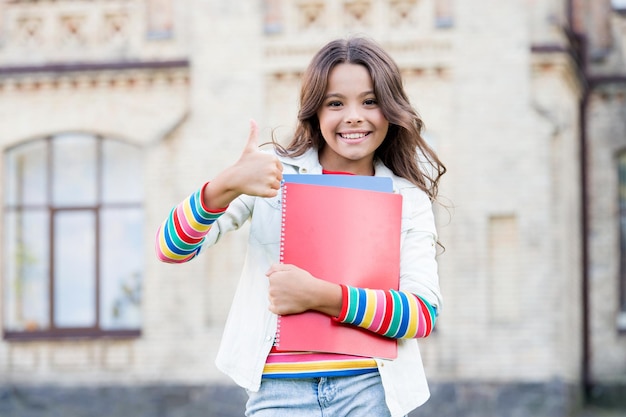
259	173
256	173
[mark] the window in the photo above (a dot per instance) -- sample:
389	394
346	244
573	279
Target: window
618	4
72	250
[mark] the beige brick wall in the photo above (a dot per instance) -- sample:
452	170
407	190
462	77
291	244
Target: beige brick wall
504	120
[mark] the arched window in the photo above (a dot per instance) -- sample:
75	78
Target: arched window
72	251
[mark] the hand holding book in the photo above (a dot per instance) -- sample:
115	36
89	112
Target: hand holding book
293	290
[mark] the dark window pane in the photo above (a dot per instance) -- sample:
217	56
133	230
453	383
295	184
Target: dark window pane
74	269
74	170
26	274
26	174
121	173
121	268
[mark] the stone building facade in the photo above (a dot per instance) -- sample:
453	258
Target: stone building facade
124	107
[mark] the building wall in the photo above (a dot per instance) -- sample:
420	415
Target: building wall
607	108
502	112
606	138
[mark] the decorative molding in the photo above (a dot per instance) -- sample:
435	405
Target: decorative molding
93	66
555	60
311	16
303	17
438	72
93	76
434	45
96	30
357	14
402	13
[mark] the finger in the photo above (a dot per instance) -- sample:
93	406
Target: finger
271	270
252	143
279	166
276	267
275	185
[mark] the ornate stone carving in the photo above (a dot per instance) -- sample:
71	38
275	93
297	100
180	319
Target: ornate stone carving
311	15
72	30
78	31
357	13
402	13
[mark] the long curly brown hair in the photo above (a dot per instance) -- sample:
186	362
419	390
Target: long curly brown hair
404	150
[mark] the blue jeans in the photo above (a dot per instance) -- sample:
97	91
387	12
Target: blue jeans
349	396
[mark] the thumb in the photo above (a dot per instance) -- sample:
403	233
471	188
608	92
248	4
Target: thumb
252	144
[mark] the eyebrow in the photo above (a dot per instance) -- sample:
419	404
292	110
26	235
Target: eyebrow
339	95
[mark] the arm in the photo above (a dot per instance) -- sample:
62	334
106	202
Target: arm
412	311
390	313
182	234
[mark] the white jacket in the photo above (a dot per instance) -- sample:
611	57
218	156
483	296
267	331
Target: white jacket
250	327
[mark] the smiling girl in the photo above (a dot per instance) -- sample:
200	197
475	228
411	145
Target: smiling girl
354	118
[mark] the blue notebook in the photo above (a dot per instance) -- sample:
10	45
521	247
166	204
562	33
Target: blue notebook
362	182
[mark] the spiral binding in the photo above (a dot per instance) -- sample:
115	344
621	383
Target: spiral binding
277	335
281	254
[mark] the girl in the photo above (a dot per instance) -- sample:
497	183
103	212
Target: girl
354	118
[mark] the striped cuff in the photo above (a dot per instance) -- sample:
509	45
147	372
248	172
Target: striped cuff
391	313
181	235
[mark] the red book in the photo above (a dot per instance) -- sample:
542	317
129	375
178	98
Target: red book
346	236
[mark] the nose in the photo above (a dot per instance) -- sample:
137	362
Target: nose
353	115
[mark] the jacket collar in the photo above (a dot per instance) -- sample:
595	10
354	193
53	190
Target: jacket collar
308	163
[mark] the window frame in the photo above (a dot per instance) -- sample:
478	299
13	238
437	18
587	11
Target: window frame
52	331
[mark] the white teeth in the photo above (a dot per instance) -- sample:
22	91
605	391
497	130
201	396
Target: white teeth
352	135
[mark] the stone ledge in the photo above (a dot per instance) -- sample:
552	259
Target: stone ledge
466	399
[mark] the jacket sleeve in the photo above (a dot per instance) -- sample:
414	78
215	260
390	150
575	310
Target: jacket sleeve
190	227
390	313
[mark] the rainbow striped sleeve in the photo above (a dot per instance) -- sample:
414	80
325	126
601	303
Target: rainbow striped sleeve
391	313
182	233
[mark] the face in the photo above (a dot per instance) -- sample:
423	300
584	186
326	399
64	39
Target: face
351	121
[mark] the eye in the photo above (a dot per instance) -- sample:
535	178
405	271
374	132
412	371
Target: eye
333	103
370	102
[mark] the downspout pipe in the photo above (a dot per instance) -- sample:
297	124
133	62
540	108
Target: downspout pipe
577	46
591	395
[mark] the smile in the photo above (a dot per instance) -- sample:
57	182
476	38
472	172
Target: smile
353	136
